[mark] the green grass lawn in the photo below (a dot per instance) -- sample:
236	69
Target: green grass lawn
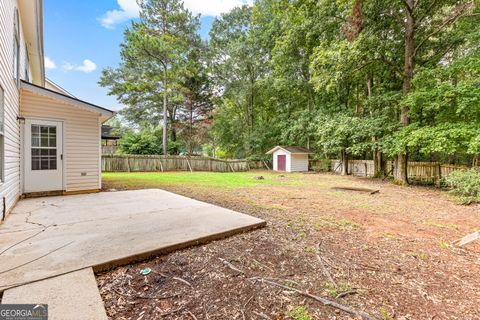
201	179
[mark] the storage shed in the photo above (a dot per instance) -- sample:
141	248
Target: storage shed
290	159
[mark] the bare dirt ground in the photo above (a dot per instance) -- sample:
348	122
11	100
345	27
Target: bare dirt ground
389	255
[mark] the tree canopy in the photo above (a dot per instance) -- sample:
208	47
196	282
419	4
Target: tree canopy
370	79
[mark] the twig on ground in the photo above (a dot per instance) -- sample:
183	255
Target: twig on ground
182	280
263	265
144	297
346	293
321	300
325	270
248	301
304	293
192	315
467	239
172	311
262	315
231	266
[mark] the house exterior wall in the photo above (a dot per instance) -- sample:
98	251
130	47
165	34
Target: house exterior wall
10	187
81	138
299	163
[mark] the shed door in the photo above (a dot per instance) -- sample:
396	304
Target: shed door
281	162
43	156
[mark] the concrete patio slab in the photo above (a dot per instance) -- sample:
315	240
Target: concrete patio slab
47	237
70	296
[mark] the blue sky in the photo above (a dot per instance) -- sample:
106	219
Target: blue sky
83	37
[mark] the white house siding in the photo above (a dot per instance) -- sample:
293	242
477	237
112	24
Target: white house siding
298	162
10	188
81	138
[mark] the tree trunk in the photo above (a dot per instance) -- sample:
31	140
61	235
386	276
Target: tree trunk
401	172
357	99
173	138
344	163
190	141
165	120
378	163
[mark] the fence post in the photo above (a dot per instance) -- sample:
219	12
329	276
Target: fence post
189	166
439	175
161	165
265	163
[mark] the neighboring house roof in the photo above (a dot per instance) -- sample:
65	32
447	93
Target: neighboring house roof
291	150
50	85
104	112
107	133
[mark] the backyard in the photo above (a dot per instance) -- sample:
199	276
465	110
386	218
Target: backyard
387	254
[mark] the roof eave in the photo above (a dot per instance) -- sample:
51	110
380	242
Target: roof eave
276	148
287	151
104	113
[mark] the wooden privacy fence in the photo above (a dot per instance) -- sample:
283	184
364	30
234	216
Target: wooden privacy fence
426	171
364	168
418	171
155	163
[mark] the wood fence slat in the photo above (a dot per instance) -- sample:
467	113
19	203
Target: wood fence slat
421	171
154	163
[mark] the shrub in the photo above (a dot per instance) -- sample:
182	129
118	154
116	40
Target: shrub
465	185
323	165
145	142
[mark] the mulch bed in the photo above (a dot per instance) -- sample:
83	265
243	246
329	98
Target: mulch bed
386	271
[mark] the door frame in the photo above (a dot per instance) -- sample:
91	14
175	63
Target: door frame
23	150
278	162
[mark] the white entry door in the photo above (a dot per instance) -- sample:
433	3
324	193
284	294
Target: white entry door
43	156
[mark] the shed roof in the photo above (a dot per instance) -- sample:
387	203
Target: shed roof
291	150
108	134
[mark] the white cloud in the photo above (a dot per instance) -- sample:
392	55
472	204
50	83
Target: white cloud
87	66
49	63
214	8
129	9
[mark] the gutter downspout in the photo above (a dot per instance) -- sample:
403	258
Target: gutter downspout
39	12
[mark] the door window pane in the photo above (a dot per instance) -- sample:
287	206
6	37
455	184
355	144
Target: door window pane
44	147
52	136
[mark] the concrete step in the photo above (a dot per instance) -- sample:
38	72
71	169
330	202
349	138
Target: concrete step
71	296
